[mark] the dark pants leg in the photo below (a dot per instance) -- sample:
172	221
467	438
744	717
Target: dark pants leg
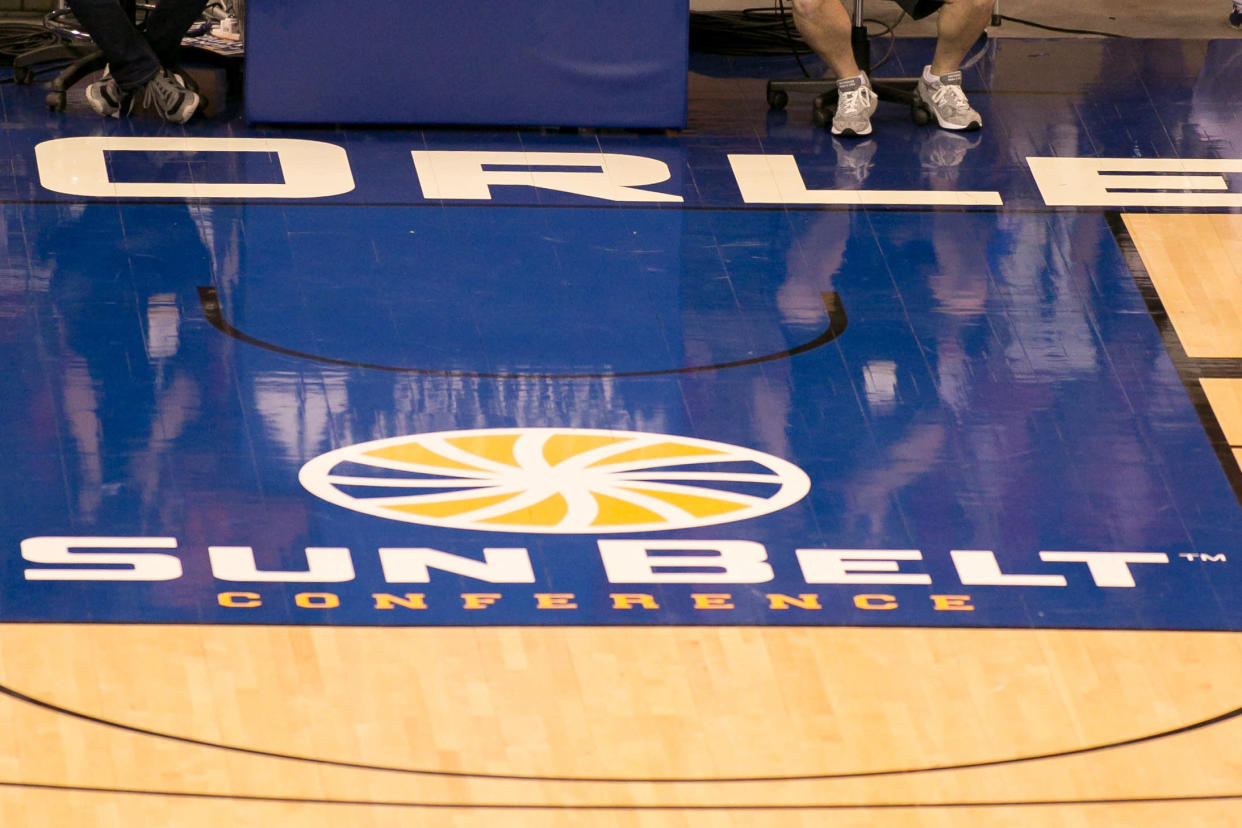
167	24
130	57
134	56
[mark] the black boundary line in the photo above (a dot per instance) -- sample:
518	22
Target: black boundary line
514	806
334	201
698	625
489	205
1189	369
209	299
187	740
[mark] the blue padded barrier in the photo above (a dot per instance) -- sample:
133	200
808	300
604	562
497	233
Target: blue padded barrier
605	63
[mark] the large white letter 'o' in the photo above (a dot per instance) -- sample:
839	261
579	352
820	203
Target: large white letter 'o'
78	166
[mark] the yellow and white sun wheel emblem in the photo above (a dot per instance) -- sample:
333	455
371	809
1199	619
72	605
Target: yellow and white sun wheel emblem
555	480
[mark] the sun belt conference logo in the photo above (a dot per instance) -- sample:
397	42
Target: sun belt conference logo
555	480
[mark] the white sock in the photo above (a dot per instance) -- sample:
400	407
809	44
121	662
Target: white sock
928	76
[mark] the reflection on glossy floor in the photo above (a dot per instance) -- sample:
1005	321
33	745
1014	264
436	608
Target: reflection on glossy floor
735	477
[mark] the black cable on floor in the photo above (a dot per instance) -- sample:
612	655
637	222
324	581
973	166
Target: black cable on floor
746	33
1046	27
789	34
16	39
889	29
19	38
763	33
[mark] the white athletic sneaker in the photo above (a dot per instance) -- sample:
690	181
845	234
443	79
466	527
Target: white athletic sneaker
856	103
947	102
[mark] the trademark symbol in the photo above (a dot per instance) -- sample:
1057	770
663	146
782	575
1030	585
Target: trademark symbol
1195	556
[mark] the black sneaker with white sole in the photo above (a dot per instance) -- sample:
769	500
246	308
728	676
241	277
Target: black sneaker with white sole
106	97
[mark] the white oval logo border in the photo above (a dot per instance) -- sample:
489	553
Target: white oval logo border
794	484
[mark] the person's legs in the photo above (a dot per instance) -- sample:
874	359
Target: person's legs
167	24
959	26
130	58
136	60
826	27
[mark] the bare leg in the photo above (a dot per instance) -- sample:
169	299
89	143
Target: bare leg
825	25
960	24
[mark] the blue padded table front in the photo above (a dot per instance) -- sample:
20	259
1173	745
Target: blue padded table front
605	63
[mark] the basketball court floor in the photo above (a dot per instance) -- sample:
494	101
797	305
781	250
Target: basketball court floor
735	476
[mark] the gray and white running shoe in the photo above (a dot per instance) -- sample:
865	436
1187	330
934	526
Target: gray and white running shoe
167	95
856	103
948	103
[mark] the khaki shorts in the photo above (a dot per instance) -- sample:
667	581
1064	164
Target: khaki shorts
920	8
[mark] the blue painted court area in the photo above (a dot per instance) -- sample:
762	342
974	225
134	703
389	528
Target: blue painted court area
551	407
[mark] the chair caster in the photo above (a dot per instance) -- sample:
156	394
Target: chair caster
777	98
824	108
23	76
56	101
920	114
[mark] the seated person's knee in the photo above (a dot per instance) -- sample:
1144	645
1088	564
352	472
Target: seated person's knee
809	8
973	5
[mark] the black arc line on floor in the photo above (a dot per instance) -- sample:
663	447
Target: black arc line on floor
209	299
336	763
517	806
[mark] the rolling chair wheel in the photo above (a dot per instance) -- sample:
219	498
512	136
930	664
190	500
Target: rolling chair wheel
920	114
777	98
23	76
824	108
56	101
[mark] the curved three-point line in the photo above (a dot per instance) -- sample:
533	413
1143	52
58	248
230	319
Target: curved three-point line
209	299
1132	741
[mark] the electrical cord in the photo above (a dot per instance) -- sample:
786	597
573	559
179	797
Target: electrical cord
1046	27
19	38
789	34
780	8
745	33
757	32
889	29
